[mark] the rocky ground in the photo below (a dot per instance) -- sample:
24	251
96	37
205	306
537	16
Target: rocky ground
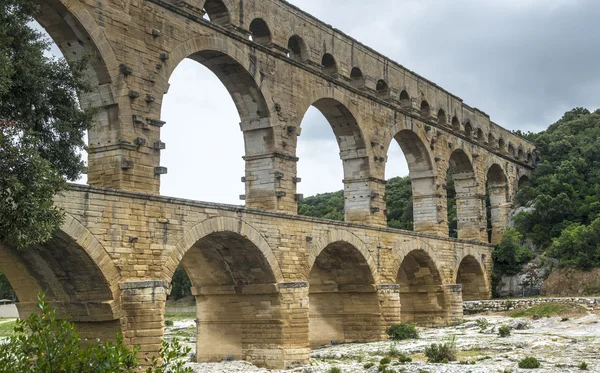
560	344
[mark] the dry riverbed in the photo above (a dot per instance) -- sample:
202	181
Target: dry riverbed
560	344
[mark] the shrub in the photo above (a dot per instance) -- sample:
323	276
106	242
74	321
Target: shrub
42	343
334	370
504	331
529	363
169	323
441	353
384	361
583	366
482	324
368	365
400	332
404	358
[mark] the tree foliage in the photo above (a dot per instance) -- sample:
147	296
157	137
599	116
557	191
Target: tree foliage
42	127
564	190
44	344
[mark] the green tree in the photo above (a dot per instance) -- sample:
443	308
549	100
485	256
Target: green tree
398	191
44	344
181	286
6	291
41	127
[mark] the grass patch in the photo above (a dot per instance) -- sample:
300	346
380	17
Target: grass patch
6	327
550	309
180	316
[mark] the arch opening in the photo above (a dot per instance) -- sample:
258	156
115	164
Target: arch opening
73	282
480	136
469	207
297	48
520	154
260	32
472	278
511	150
212	91
410	201
425	110
491	140
357	77
343	301
382	89
405	101
468	130
501	144
441	117
329	64
316	151
217	12
422	298
235	293
523	181
497	203
455	124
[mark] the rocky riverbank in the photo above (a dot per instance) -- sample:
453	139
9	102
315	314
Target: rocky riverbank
560	344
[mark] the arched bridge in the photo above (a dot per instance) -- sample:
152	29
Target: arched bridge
268	284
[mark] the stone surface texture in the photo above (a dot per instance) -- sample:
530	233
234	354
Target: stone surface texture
268	284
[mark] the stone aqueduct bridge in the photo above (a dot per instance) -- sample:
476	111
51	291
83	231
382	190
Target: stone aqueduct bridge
268	284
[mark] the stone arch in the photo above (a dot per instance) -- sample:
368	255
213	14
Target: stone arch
480	136
491	140
511	150
382	88
222	225
260	31
468	129
341	113
329	64
441	117
73	269
422	297
297	48
529	158
235	277
330	237
234	68
469	200
455	123
497	186
217	12
422	176
520	154
470	273
357	77
501	144
523	181
343	301
425	110
405	101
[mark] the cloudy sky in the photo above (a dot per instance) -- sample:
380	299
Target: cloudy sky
524	62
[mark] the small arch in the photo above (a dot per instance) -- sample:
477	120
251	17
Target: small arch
480	136
260	31
529	158
329	64
497	193
217	12
520	154
405	101
501	144
441	117
461	173
491	140
455	124
341	279
511	150
422	299
357	77
382	88
297	48
471	276
523	181
425	110
468	129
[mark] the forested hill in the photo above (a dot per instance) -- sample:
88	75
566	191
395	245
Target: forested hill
331	205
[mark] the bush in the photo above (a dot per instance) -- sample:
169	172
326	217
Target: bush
441	353
398	332
583	366
504	331
334	370
384	361
529	363
482	324
169	323
368	365
42	343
